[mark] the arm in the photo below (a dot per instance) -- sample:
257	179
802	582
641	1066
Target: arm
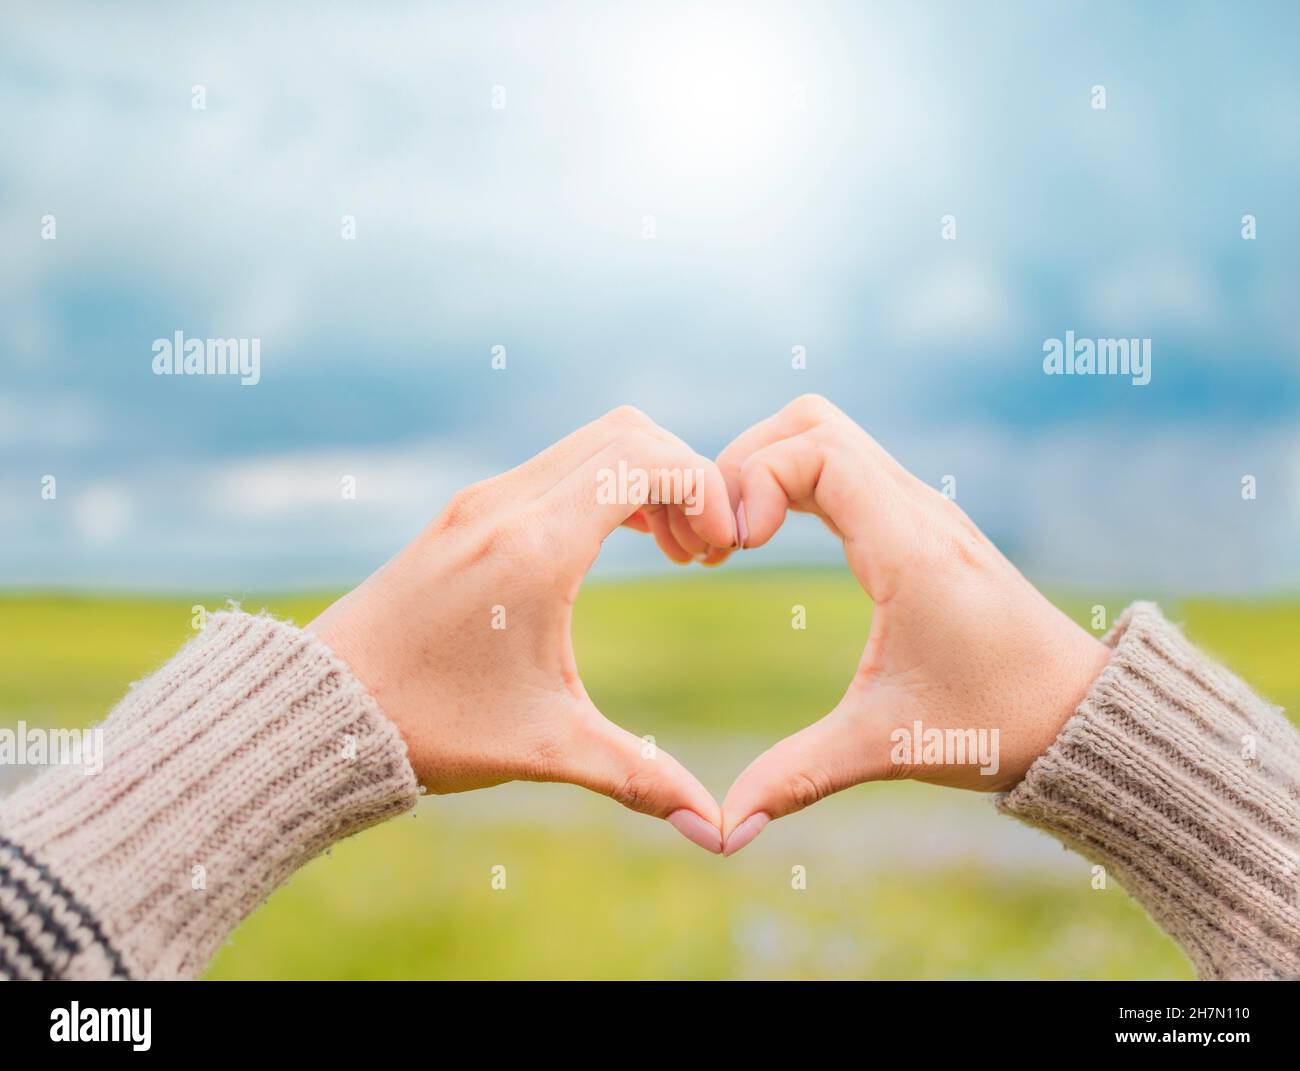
249	753
259	744
1186	785
1138	752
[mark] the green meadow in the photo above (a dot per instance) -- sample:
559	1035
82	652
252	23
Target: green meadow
899	880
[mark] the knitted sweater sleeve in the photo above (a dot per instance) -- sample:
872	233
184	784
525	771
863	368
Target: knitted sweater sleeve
247	754
1185	785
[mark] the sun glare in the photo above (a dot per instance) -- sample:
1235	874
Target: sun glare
715	96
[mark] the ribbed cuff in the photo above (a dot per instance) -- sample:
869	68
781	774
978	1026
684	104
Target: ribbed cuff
247	754
1185	785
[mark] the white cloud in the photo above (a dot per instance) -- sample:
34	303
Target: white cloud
103	513
961	304
404	480
1149	291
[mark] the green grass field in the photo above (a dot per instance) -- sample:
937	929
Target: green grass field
902	880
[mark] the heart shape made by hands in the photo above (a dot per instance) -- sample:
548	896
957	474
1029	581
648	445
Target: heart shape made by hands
967	673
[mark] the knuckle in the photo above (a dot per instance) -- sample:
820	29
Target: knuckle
642	450
464	508
636	441
805	787
755	463
958	544
627	416
812	406
635	790
964	550
963	520
831	441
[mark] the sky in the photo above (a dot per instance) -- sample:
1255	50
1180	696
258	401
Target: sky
651	204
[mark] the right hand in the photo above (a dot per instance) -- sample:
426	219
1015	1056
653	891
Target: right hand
959	639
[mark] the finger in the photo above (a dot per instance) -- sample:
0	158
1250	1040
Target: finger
858	496
538	474
638	774
638	522
626	475
805	412
830	755
680	526
545	469
788	470
550	466
716	556
661	529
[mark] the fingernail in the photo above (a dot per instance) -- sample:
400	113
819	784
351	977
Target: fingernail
742	531
750	828
694	828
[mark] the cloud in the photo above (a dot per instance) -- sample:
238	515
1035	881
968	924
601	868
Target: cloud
401	480
1149	292
782	220
102	513
1115	508
961	304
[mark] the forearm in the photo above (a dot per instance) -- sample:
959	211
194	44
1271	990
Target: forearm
245	756
1185	785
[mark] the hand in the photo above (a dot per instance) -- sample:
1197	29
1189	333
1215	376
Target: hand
959	640
464	637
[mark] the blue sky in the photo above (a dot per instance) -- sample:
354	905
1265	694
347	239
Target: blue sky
797	161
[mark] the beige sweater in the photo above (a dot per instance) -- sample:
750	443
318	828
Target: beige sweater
254	749
1185	785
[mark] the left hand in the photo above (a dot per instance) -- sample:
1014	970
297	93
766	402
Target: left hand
464	638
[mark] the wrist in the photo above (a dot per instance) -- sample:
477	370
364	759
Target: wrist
1069	662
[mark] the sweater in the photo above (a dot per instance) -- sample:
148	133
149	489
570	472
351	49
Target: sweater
1185	785
255	748
251	751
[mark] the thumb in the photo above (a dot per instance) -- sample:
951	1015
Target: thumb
839	751
637	773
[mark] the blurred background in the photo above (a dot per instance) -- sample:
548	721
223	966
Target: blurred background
664	205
